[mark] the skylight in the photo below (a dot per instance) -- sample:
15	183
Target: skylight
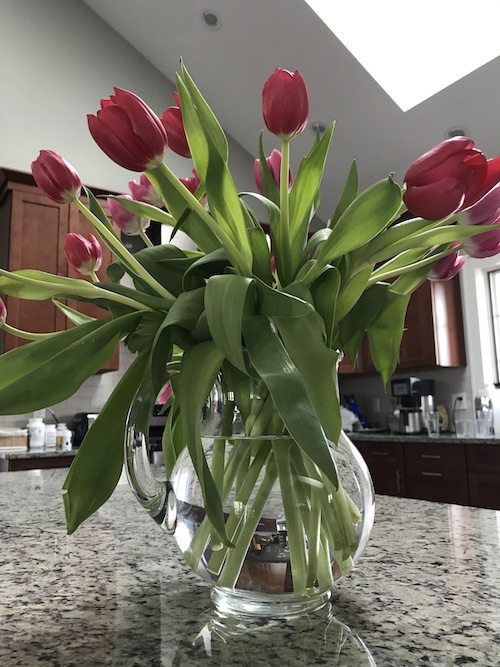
415	50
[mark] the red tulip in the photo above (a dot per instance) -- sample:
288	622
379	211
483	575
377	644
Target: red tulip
145	191
84	255
274	162
192	182
486	244
56	177
129	132
447	267
451	176
172	122
129	223
285	103
484	212
3	313
165	394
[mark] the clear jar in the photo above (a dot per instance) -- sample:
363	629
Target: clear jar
36	433
50	436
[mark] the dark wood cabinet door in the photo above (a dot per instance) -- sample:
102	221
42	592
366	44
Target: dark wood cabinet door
417	344
484	490
385	461
38	227
436	472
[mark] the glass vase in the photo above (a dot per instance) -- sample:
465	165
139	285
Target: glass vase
292	532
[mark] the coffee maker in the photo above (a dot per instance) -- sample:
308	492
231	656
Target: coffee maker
415	402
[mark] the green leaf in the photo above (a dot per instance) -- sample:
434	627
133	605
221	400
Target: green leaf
211	264
241	384
209	120
306	186
227	299
153	302
385	333
96	208
368	215
356	322
98	465
39	285
161	353
261	266
73	315
173	440
199	368
325	291
286	386
269	186
276	303
144	210
273	210
348	195
317	365
351	291
187	309
48	371
316	239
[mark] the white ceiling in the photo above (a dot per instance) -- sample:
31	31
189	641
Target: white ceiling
231	64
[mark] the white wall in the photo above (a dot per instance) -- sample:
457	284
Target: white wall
59	60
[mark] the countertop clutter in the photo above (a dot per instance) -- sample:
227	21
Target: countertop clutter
426	592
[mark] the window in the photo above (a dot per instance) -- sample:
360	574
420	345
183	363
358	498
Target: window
494	292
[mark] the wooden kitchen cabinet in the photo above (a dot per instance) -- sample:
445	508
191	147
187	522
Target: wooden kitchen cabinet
32	233
385	461
436	472
483	464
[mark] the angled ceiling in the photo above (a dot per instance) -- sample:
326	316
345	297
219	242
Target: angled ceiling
231	64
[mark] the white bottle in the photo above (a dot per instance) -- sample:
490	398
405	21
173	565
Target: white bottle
63	437
36	433
50	436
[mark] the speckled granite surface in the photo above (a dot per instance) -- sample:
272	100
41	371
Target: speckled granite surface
38	453
427	591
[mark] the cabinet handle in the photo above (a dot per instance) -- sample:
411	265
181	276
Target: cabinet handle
431	456
431	474
398	482
380	453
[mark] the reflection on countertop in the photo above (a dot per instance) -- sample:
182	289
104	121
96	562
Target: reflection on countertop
426	592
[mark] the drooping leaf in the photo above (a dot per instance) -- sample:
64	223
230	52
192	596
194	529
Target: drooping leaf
97	467
385	333
261	267
212	264
30	376
277	303
187	309
161	353
356	322
40	285
227	300
325	291
73	315
348	195
240	383
199	368
286	386
351	291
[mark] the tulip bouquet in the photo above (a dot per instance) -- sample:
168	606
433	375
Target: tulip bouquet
268	304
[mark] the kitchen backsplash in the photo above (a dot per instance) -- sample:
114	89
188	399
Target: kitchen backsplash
370	393
91	396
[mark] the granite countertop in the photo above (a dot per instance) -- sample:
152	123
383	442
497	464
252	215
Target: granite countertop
37	453
426	592
385	436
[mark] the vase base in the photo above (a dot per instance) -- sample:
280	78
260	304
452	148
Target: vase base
248	603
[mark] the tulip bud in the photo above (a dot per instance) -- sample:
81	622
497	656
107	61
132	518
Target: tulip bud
56	177
164	394
274	163
129	223
145	191
192	182
447	267
84	255
129	132
3	313
172	122
285	103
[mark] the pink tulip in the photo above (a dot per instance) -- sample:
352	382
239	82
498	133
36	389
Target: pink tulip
129	223
3	313
84	255
451	176
484	212
164	394
145	191
129	132
285	103
486	244
447	267
56	177
192	182
172	122
274	162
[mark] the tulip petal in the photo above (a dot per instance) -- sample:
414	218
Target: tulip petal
435	200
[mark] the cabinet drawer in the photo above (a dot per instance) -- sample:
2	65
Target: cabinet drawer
435	458
438	486
483	458
484	490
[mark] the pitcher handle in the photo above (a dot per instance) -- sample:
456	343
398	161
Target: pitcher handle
157	498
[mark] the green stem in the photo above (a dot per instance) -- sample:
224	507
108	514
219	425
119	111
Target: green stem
236	257
286	250
27	335
294	525
145	238
118	249
232	567
94	277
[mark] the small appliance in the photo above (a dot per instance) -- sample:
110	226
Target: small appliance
82	421
415	402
